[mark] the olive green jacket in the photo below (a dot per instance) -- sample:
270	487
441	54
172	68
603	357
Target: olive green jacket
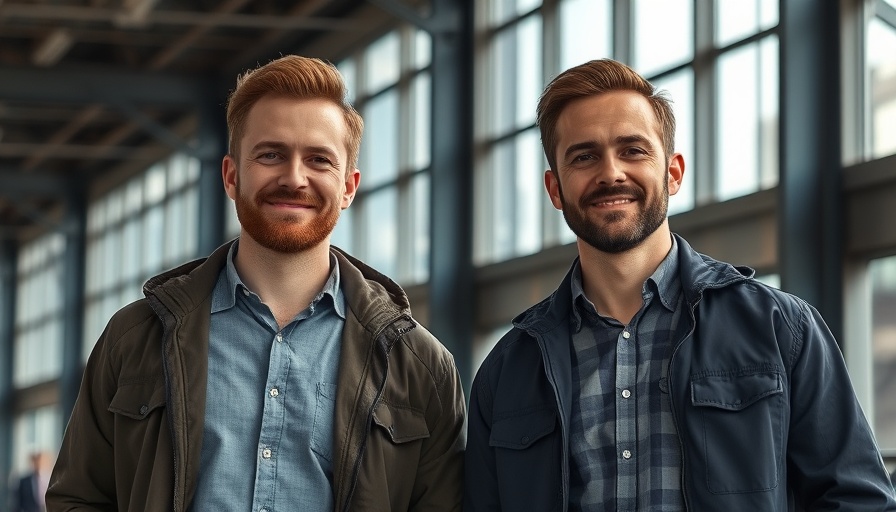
134	438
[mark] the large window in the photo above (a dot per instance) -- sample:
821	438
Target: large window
883	352
134	232
881	69
525	44
387	226
39	310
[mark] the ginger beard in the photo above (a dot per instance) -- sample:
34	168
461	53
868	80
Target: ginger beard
609	234
288	233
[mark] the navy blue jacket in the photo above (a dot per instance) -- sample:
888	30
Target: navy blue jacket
764	408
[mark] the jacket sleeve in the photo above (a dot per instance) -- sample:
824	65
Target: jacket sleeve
83	478
833	459
480	480
439	482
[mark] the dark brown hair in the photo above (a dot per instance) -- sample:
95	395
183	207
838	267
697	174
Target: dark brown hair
297	77
590	79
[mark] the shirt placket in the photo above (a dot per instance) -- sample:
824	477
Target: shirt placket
626	419
272	425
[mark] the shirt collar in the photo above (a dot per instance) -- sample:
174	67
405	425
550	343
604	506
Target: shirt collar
664	282
229	283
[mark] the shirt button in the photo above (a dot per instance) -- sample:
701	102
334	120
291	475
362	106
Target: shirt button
279	338
626	454
275	392
626	393
266	453
626	334
245	292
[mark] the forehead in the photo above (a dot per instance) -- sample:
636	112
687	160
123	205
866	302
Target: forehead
606	116
293	121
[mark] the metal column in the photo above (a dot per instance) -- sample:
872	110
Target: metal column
810	196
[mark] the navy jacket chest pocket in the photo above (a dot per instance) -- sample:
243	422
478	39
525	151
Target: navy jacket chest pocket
528	448
741	417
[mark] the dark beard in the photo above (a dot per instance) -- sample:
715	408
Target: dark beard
286	235
648	220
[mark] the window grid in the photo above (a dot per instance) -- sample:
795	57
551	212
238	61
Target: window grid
38	341
134	232
387	225
692	61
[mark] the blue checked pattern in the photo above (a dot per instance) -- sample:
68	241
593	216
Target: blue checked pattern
624	449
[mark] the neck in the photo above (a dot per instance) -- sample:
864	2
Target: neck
285	282
613	282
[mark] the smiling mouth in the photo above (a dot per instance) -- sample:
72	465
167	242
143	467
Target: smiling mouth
613	202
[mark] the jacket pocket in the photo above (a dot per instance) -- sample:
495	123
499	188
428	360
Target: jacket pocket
401	424
527	450
521	432
742	438
137	400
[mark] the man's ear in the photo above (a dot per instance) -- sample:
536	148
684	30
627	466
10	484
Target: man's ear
352	180
676	173
552	185
228	174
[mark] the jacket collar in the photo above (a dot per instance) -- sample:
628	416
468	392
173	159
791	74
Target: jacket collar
374	299
697	273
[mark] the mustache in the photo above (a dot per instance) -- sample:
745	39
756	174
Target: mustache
286	196
613	190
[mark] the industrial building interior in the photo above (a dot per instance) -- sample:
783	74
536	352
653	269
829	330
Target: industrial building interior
112	133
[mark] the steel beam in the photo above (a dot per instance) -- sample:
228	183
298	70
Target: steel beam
810	203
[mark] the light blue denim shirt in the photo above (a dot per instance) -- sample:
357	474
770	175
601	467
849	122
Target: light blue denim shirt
269	409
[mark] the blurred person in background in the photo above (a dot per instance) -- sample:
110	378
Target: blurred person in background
31	489
279	373
655	377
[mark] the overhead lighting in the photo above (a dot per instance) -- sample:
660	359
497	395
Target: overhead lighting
53	48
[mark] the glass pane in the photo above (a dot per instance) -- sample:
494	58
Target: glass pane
349	75
155	184
420	132
422	49
747	159
382	64
516	76
881	52
381	230
883	324
379	148
743	18
586	31
530	195
503	11
656	46
680	89
420	190
32	431
342	233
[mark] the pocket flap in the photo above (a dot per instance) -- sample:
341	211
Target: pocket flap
735	391
404	424
137	400
519	432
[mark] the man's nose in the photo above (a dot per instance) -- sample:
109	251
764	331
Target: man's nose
295	174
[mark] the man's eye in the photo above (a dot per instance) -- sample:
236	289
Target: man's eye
268	157
583	157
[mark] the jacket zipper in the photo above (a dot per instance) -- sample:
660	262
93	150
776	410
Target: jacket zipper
684	488
356	467
162	312
564	459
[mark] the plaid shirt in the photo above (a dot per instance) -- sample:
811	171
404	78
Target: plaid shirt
624	449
